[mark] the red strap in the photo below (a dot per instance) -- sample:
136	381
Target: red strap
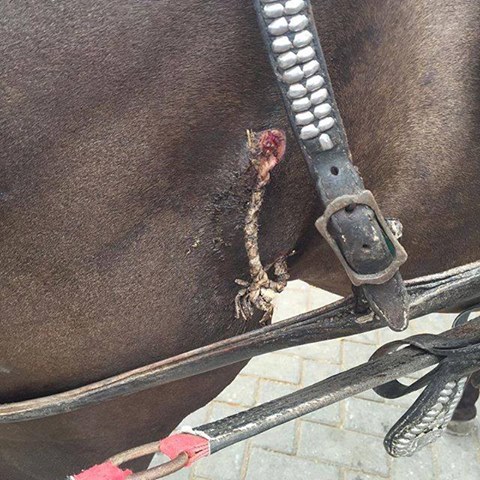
105	471
194	446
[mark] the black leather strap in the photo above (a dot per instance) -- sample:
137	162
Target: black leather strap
352	222
430	414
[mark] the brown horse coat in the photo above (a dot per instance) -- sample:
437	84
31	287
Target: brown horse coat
123	187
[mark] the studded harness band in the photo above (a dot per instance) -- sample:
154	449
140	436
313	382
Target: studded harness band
352	222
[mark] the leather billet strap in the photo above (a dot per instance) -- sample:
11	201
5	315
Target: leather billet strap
352	223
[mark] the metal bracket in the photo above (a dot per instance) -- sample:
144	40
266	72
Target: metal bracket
364	198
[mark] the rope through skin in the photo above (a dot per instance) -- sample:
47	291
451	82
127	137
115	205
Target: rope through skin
266	150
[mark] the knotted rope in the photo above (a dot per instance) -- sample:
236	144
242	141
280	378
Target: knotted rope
266	150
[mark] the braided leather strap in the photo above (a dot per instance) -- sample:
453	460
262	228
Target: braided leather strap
427	419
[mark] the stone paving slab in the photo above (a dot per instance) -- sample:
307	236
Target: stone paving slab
276	366
342	447
378	423
242	391
340	442
265	465
330	352
356	475
419	467
457	458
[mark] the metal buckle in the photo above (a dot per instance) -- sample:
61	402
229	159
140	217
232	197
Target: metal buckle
363	198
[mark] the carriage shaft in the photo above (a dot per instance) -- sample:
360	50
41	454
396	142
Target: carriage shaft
454	288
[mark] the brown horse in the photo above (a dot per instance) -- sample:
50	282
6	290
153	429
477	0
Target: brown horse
124	183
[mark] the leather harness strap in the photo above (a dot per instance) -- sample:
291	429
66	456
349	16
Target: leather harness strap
452	289
352	222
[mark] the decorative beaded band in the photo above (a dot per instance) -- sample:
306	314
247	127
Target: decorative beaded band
426	420
299	63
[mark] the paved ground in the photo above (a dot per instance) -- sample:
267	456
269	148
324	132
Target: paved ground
340	442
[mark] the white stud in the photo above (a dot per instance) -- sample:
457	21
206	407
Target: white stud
305	54
281	44
273	10
319	96
297	90
301	104
308	132
278	26
310	68
304	118
293	75
314	83
322	110
297	23
326	123
325	141
294	6
302	39
287	60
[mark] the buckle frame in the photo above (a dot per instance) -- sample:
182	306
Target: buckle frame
363	198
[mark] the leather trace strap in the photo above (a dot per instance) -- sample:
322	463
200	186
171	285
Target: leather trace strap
352	222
